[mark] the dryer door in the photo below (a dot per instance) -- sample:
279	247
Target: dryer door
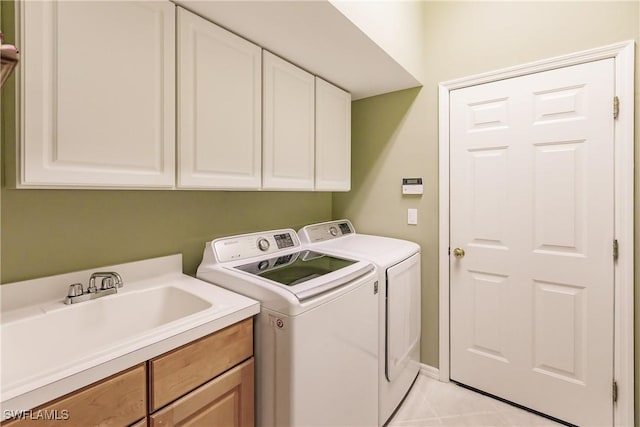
403	315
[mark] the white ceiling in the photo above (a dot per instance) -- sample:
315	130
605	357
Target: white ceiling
315	36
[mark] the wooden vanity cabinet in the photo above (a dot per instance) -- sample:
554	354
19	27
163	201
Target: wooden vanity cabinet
119	400
208	382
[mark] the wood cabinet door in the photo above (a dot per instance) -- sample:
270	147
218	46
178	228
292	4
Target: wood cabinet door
288	127
220	107
98	94
333	138
227	401
180	371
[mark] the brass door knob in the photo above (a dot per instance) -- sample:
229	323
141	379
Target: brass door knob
458	253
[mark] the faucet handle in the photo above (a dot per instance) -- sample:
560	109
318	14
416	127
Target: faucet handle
75	290
107	283
92	289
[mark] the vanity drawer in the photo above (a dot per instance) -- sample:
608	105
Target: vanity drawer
224	401
182	370
119	400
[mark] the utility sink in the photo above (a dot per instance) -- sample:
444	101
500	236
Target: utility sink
49	344
69	333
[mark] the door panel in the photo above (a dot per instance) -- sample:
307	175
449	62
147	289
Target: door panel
403	324
532	206
288	127
98	103
219	109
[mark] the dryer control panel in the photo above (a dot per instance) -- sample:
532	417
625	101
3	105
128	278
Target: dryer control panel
326	231
254	244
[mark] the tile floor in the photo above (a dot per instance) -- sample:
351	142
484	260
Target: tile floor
433	403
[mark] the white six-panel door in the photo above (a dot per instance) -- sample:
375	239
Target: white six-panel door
532	207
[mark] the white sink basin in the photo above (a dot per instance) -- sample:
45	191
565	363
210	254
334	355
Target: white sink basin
68	333
49	349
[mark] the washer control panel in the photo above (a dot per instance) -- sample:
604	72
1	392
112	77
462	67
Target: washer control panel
254	244
326	231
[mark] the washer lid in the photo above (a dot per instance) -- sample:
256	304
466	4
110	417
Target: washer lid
307	273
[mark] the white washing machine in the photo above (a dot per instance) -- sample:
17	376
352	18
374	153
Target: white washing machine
316	337
398	265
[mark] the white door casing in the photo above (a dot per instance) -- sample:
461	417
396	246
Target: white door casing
547	291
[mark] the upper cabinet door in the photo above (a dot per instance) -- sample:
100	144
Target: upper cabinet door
288	128
333	138
219	107
98	94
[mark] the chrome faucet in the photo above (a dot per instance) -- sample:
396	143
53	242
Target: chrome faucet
109	285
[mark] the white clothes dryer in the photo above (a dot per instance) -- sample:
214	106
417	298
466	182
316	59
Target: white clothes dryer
398	265
316	336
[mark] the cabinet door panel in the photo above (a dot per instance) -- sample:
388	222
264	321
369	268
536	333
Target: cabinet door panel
98	94
333	138
219	112
180	371
289	116
224	401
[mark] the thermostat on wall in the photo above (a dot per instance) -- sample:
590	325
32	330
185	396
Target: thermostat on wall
411	185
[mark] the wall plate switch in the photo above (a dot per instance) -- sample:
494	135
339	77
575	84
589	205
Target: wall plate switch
412	216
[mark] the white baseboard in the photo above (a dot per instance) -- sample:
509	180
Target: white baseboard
430	371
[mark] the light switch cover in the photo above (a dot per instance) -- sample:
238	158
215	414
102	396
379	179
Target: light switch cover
412	216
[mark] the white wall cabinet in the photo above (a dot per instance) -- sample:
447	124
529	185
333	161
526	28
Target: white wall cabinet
288	127
219	107
333	138
98	94
98	105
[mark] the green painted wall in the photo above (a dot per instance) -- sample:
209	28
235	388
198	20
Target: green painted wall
48	232
45	232
396	135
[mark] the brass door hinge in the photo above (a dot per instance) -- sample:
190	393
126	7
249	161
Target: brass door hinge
616	250
616	107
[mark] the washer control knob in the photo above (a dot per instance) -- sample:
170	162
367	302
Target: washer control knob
263	265
333	231
263	244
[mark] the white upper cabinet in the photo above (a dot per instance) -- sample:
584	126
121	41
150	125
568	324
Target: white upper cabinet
98	105
219	107
288	127
333	138
97	94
